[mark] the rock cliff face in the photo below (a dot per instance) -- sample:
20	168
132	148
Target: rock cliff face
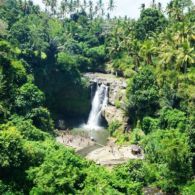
114	111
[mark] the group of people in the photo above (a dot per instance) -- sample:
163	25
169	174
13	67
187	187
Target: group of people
70	139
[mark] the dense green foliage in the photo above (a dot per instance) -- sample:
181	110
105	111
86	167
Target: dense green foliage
143	94
43	55
156	54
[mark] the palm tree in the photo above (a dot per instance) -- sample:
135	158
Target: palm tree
102	12
132	46
115	41
147	51
134	52
167	55
100	4
100	7
185	56
53	6
25	7
78	3
108	16
176	9
71	6
159	6
63	8
84	4
175	50
184	31
91	9
153	4
96	9
47	4
66	7
111	5
143	6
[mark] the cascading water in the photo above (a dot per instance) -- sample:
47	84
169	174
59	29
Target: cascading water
94	127
99	102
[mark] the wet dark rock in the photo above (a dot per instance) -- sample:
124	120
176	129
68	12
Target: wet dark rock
135	149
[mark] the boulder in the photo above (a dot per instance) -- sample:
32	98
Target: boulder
135	149
111	113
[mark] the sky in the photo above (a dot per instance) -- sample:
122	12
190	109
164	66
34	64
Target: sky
130	8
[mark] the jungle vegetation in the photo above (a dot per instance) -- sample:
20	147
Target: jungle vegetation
43	55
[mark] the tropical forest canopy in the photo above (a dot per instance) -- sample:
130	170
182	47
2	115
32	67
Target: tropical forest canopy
43	55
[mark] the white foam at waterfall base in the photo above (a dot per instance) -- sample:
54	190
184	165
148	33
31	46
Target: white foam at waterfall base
99	102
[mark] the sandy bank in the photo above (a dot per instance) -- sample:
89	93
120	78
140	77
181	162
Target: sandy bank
110	156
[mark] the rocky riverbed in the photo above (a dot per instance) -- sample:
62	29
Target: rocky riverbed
108	155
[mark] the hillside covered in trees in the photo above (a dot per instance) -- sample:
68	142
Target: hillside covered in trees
44	54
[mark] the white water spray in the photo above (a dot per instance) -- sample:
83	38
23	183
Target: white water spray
99	102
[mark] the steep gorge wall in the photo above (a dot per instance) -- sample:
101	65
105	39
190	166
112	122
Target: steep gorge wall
65	96
114	111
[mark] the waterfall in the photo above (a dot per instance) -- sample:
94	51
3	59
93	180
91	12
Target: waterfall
99	102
